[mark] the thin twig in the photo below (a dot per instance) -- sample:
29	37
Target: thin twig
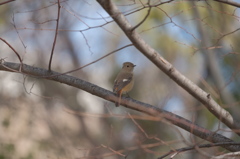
232	32
90	62
20	60
177	151
149	10
14	25
55	38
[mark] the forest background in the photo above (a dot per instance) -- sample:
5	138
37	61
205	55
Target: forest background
59	58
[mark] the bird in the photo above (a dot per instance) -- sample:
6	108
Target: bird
124	81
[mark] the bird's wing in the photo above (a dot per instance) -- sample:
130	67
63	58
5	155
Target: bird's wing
121	81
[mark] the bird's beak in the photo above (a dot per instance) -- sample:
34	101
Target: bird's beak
134	65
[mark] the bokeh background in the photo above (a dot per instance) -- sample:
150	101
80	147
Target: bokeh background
44	119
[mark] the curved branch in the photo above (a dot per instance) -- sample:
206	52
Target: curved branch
17	54
168	68
127	102
144	19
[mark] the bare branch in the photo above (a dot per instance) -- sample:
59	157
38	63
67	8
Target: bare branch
88	45
132	148
231	155
6	2
55	37
20	60
235	4
177	151
232	32
125	101
93	61
168	68
140	23
14	25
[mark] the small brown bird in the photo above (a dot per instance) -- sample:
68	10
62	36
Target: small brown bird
124	81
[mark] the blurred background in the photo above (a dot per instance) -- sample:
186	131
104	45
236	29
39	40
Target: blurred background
44	119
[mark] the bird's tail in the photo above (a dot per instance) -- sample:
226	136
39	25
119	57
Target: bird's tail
119	94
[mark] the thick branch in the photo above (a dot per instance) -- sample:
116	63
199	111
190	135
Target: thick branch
167	67
127	102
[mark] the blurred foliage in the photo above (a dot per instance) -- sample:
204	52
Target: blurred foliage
6	151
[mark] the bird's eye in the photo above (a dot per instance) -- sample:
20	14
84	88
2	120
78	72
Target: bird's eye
127	65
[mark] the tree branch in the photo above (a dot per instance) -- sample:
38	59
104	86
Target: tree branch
144	19
17	54
235	4
178	151
55	37
125	101
230	155
6	2
167	67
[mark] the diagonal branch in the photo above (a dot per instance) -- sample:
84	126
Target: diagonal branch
7	2
79	68
127	102
167	68
229	2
